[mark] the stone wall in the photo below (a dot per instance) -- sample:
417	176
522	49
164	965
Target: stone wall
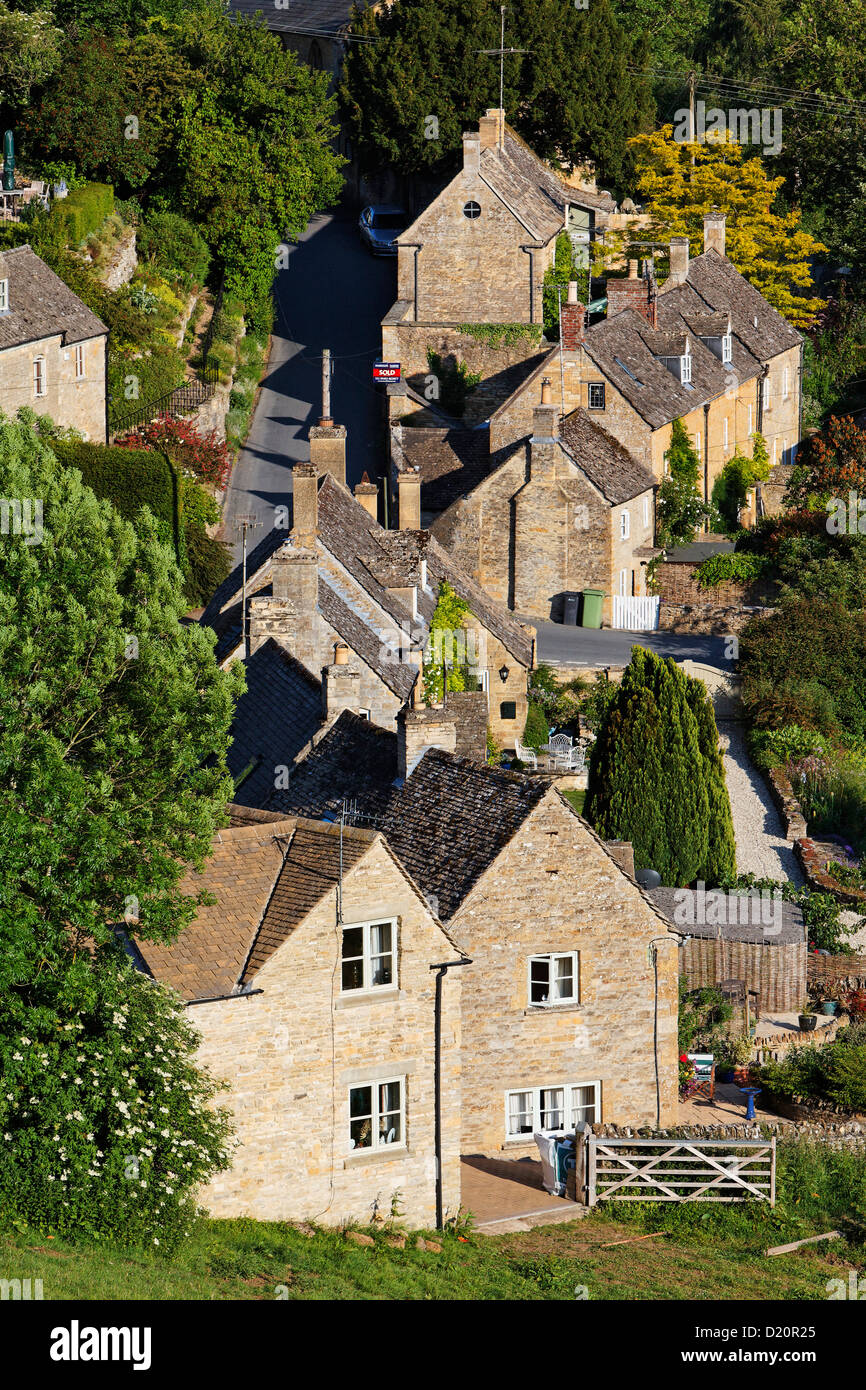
554	888
293	1051
122	262
707	618
812	863
72	402
835	1134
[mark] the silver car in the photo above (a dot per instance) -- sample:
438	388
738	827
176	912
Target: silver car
380	225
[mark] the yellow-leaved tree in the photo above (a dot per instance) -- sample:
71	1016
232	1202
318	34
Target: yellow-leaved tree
769	248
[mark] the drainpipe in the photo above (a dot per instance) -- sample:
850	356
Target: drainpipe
759	405
530	251
707	455
442	968
415	246
800	401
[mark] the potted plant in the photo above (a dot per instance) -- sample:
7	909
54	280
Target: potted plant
808	1018
740	1052
829	1006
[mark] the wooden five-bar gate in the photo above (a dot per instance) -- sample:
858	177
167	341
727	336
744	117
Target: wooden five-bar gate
674	1170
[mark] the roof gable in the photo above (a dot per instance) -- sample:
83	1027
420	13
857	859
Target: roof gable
41	305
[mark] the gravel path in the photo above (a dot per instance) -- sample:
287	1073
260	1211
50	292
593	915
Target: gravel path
761	845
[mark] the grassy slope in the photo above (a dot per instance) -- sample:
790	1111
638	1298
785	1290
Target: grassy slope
713	1258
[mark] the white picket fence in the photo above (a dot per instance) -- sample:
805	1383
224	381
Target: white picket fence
636	614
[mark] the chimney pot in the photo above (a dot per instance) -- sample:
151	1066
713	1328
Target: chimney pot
572	292
341	654
632	270
545	391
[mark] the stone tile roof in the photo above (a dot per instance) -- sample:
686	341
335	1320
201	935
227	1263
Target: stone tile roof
532	190
355	761
447	823
607	463
376	557
266	878
208	957
323	17
310	871
41	305
722	288
274	719
623	348
451	819
763	918
366	642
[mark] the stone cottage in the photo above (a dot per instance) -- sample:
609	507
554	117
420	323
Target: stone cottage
569	1004
352	604
566	510
706	348
52	348
478	253
311	981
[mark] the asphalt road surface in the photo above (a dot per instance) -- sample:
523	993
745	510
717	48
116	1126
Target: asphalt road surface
586	646
332	294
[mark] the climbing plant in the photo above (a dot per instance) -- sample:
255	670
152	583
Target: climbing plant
447	647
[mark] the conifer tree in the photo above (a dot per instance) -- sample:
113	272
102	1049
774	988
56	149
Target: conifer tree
656	778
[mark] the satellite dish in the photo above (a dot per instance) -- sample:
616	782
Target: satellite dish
649	878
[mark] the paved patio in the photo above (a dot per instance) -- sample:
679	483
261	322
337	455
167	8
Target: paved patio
729	1107
508	1195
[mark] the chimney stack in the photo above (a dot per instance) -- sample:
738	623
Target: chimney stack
341	685
679	254
545	433
573	325
471	151
327	440
714	232
305	504
491	128
409	499
632	270
417	731
367	494
291	615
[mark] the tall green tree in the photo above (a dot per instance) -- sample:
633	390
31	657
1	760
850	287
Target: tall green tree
115	719
416	80
656	778
29	51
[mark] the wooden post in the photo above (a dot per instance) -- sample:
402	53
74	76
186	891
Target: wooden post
773	1171
591	1195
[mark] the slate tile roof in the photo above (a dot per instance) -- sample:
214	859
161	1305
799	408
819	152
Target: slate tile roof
274	719
355	761
41	305
207	959
532	190
672	903
722	288
451	820
366	641
324	17
266	877
607	463
446	824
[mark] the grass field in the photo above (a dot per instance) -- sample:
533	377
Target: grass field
705	1253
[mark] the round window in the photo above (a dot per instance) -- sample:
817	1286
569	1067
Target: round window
471	210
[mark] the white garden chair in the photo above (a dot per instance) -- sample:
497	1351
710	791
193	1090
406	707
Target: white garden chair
559	749
526	755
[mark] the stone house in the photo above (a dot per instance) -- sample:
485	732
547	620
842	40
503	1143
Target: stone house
706	348
315	32
568	509
311	982
52	348
478	252
352	604
569	1003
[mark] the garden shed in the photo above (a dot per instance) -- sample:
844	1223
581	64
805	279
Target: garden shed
740	936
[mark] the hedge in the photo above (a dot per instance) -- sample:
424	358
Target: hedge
83	211
129	478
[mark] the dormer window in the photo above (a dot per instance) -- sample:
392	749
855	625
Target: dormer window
686	368
4	296
727	347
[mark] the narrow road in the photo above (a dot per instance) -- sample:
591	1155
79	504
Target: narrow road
586	646
332	294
